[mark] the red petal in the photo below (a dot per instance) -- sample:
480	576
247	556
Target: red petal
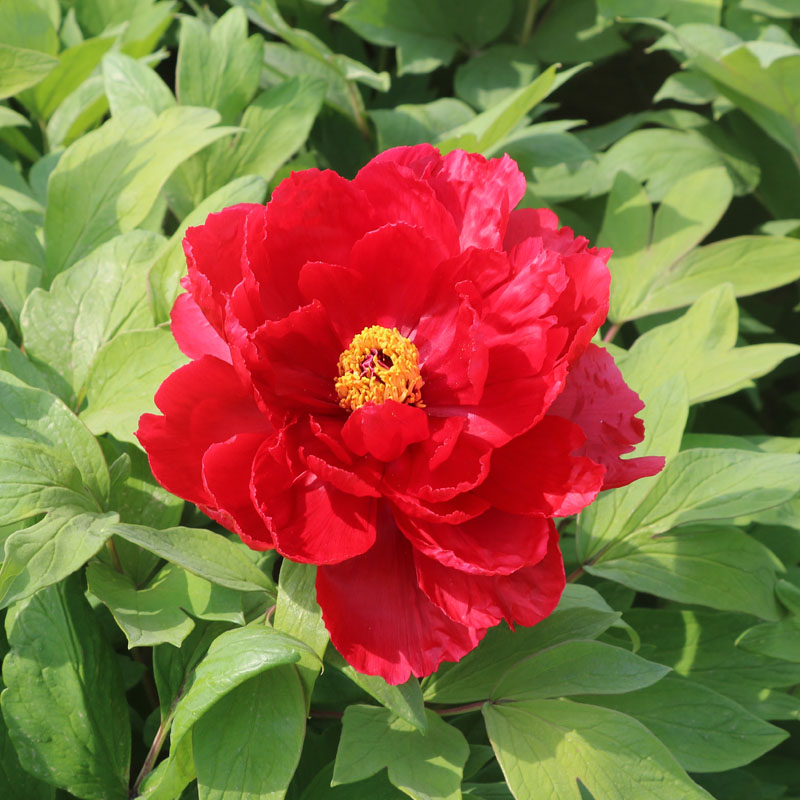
597	398
384	430
526	596
312	216
391	273
537	473
479	194
227	467
395	195
520	385
495	543
294	361
443	466
378	618
453	358
310	521
419	158
193	332
214	257
203	403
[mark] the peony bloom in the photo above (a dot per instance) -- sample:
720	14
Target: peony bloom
392	378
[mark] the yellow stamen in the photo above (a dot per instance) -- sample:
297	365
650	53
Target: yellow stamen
379	365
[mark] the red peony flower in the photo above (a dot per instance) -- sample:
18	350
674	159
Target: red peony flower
392	378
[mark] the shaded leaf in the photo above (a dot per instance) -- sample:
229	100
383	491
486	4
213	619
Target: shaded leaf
425	766
64	703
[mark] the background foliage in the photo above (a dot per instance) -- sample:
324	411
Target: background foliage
148	653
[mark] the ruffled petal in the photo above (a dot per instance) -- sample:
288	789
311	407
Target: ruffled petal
392	273
194	334
311	521
379	619
313	215
396	196
203	403
227	468
525	597
419	159
214	258
293	360
495	543
480	195
384	430
538	473
597	398
445	465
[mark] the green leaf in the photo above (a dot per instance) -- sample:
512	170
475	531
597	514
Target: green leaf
201	552
750	263
47	457
664	415
774	639
494	73
570	33
124	378
627	227
710	484
274	127
14	780
375	788
701	346
130	84
298	614
107	181
760	77
488	130
405	700
218	67
28	24
234	657
426	766
166	272
64	703
267	709
74	67
136	496
701	645
720	567
545	746
704	730
18	241
646	247
316	59
50	550
79	111
426	35
21	68
409	124
158	613
577	667
88	304
147	617
581	614
662	157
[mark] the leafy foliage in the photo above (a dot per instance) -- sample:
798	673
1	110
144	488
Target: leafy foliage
149	654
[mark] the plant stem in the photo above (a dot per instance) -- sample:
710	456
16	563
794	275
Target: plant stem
527	25
612	332
158	742
574	575
445	712
358	116
112	550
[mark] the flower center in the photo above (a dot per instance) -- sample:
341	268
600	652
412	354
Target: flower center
379	365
